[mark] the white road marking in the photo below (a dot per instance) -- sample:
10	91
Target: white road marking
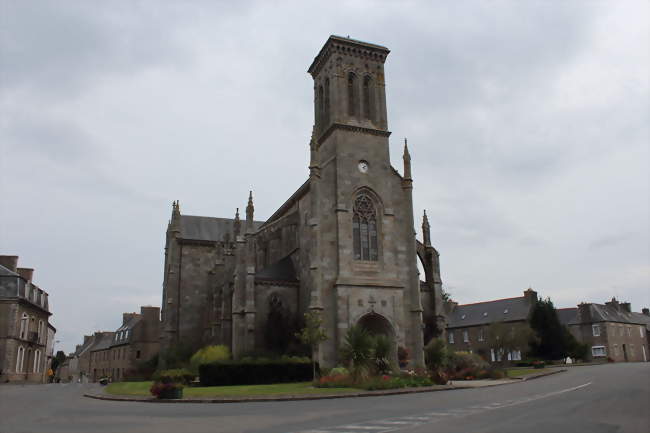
400	423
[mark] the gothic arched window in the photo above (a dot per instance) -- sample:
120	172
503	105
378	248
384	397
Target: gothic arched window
320	106
352	95
326	102
364	229
368	111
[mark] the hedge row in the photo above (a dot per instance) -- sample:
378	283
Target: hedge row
253	372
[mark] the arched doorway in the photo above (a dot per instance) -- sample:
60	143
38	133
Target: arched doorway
376	324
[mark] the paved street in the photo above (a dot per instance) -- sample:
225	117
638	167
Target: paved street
606	398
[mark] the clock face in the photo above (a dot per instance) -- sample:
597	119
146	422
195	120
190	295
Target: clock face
363	166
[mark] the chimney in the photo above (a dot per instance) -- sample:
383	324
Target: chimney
26	273
9	262
645	311
626	306
86	339
584	313
127	316
150	314
613	303
530	295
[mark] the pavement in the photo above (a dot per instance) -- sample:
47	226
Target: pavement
596	399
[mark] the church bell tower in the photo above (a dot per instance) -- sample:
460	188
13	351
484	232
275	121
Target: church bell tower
363	264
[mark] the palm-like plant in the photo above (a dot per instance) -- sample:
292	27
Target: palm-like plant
382	354
358	351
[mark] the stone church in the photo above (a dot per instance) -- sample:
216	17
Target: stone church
343	244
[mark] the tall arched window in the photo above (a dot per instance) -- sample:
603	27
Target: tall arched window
326	102
352	94
368	109
364	229
20	359
23	327
321	106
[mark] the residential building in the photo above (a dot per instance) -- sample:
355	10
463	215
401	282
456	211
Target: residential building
468	325
100	356
611	330
137	340
24	324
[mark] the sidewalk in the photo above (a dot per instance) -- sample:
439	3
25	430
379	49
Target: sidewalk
456	384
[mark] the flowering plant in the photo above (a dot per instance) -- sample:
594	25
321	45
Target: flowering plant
163	390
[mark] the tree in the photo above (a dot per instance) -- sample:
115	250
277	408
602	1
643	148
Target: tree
553	339
312	335
506	338
59	359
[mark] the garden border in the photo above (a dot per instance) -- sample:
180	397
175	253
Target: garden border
258	399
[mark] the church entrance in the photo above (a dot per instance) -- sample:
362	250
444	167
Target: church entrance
376	324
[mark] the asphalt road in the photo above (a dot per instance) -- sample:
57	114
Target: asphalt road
605	398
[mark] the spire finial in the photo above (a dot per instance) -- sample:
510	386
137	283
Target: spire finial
407	161
426	229
250	209
237	224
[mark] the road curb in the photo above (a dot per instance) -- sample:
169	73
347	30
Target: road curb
382	393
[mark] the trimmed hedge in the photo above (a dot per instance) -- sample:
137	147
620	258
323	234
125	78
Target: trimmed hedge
252	372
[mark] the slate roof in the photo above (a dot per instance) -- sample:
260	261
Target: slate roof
127	329
484	313
608	313
103	342
567	315
200	228
283	270
642	318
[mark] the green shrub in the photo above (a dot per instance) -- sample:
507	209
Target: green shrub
339	371
465	365
207	355
254	372
358	350
177	375
436	355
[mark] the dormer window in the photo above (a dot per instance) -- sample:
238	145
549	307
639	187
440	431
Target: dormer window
463	317
505	311
485	314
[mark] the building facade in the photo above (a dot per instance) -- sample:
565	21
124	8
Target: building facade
24	324
611	331
342	245
469	325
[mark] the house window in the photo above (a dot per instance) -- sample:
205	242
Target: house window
629	331
620	330
492	357
465	336
516	355
616	350
451	337
37	362
481	337
20	359
598	351
641	331
364	229
595	330
40	331
23	327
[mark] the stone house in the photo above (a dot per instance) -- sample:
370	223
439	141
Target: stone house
468	325
137	340
343	245
611	330
79	362
100	356
24	324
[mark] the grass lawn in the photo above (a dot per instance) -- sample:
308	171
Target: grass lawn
517	372
142	389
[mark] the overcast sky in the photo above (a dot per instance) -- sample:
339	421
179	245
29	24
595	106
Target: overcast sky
527	123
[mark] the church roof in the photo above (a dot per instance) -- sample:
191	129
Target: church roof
283	270
484	313
201	228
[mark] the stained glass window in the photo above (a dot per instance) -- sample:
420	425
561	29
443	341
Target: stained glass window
364	229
